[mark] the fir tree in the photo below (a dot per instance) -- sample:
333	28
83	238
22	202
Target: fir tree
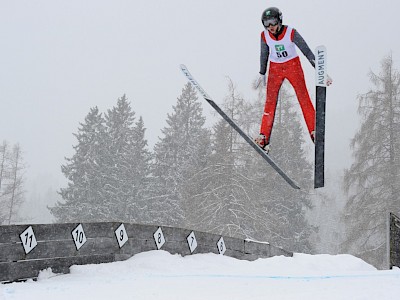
373	182
83	197
108	176
12	190
180	153
126	162
222	204
244	197
142	180
4	156
284	209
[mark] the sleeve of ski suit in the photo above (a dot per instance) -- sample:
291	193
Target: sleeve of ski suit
297	40
302	45
263	55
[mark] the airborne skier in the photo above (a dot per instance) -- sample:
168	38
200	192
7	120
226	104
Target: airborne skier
278	43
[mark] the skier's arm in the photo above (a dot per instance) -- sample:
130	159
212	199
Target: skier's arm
264	54
302	45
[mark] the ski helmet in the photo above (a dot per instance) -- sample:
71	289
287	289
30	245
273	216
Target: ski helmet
271	16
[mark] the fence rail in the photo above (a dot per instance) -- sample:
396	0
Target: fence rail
394	241
27	249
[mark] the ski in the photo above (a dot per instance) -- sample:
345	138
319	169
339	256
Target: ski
320	106
263	154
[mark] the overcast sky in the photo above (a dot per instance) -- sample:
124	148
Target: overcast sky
60	58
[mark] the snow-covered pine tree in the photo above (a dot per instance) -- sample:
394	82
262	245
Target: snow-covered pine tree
126	163
282	209
12	191
180	153
240	195
15	188
83	197
373	180
4	157
221	203
109	172
326	215
142	180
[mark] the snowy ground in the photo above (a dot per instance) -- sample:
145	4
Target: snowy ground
160	275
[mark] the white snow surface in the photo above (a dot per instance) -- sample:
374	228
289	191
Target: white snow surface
161	275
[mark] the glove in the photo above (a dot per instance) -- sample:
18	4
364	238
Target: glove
260	80
328	80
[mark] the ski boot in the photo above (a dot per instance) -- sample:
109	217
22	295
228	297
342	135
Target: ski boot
261	141
312	134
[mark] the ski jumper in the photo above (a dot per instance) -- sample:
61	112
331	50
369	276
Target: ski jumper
285	64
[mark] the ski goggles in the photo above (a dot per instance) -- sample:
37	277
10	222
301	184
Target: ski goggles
270	22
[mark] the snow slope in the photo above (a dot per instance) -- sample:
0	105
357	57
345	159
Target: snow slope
160	275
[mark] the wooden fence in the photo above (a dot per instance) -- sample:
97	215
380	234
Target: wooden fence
27	249
394	241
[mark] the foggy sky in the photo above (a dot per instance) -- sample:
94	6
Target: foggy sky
60	58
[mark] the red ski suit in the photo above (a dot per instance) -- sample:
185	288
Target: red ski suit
292	71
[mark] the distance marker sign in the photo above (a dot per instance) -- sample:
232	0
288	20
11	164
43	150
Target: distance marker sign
28	239
221	246
159	238
121	235
191	239
79	237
